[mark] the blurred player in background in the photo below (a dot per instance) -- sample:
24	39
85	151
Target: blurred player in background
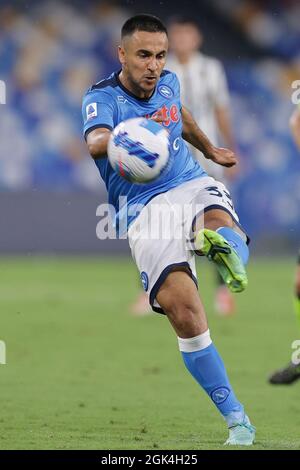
291	372
204	92
167	267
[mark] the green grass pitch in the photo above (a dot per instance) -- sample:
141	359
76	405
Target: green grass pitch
82	373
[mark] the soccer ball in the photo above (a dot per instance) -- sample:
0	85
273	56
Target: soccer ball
138	150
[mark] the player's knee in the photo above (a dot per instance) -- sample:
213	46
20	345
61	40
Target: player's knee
181	311
185	322
178	294
179	299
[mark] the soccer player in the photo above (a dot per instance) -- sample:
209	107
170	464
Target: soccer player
291	372
204	92
167	266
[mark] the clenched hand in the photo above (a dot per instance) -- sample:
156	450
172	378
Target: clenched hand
222	156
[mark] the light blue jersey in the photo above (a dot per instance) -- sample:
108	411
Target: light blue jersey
108	103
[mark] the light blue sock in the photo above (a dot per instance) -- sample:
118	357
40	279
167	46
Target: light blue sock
206	366
236	241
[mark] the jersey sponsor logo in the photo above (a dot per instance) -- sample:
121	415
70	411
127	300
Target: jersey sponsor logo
176	144
122	99
91	111
165	91
145	280
219	395
167	115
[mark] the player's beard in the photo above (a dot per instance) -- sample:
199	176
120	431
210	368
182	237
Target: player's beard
143	85
139	85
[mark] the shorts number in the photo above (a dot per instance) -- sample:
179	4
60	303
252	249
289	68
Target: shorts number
214	191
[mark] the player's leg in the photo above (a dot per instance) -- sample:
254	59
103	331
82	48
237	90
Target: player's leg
179	299
220	241
291	373
224	299
219	237
159	260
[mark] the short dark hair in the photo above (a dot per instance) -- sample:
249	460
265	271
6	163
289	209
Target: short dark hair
149	23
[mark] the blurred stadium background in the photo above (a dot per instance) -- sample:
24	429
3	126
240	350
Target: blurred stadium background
54	311
51	52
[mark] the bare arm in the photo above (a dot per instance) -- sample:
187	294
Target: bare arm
97	141
295	126
193	134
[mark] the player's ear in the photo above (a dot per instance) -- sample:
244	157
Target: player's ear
121	54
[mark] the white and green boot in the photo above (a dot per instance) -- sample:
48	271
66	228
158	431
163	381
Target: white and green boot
216	248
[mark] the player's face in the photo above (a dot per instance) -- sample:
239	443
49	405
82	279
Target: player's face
185	39
143	57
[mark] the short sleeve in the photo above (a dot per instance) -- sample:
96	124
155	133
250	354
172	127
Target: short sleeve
97	111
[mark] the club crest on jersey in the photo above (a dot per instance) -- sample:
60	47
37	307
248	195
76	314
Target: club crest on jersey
91	111
165	91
